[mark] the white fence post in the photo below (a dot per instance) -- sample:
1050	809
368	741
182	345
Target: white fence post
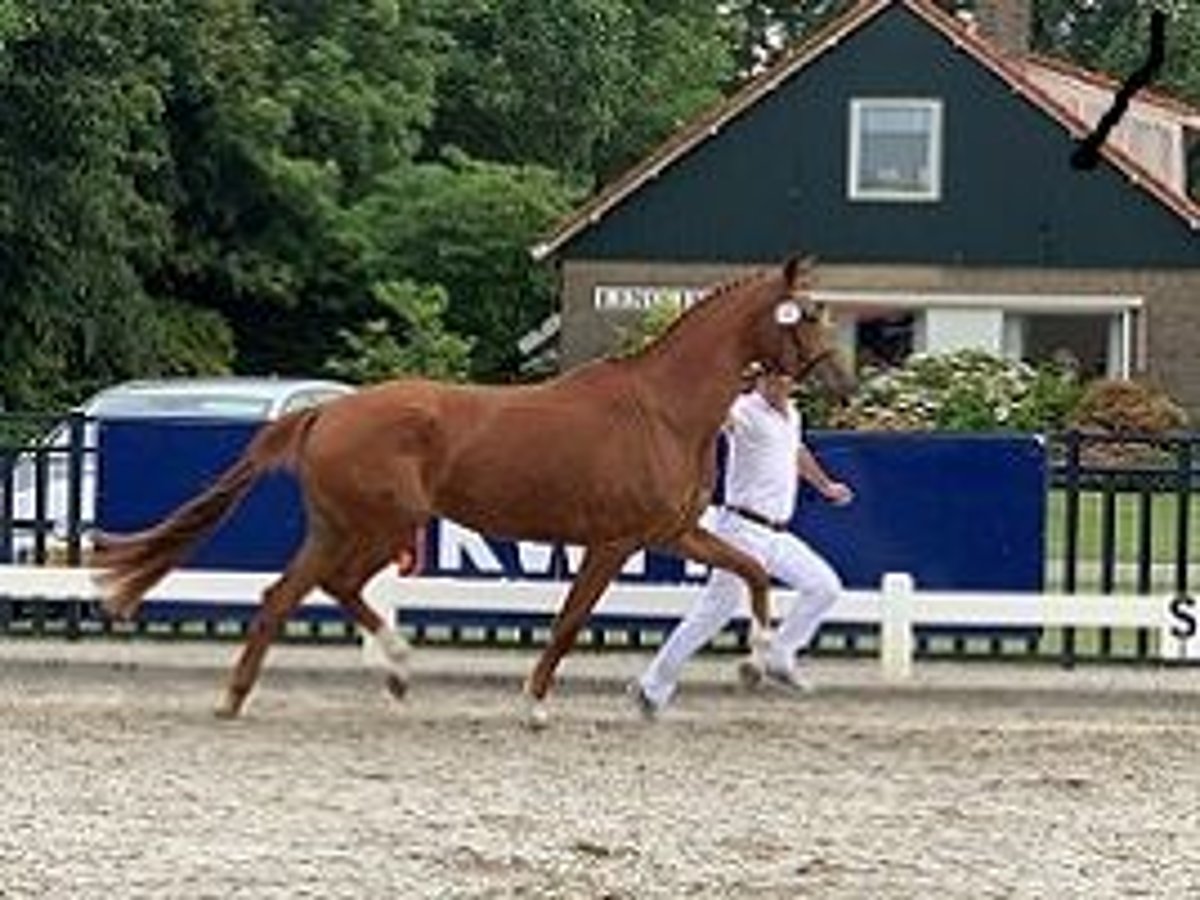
896	626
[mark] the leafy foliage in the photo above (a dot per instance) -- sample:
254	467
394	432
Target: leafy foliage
279	120
764	30
469	224
646	327
80	157
585	87
373	352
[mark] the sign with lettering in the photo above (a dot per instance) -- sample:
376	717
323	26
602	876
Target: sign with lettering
1180	636
461	552
612	298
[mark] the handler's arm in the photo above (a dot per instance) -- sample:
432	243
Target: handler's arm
814	473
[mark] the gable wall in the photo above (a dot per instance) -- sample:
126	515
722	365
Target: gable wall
774	180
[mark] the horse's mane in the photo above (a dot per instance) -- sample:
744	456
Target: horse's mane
703	308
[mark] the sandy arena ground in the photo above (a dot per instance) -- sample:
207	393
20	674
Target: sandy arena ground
975	781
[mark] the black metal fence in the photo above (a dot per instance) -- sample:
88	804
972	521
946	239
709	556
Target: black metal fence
1127	510
43	461
1119	521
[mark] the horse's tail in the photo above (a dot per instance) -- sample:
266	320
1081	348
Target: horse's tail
131	564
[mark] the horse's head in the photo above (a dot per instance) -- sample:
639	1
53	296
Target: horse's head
795	332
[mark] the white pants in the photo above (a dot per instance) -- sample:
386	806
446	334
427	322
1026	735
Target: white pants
815	584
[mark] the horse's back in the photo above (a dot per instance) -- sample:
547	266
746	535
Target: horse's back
565	457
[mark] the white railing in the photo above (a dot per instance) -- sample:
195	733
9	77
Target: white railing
903	607
897	607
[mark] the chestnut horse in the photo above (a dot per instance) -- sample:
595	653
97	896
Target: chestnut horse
615	455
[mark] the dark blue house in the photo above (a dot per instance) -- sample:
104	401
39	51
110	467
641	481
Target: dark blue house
923	158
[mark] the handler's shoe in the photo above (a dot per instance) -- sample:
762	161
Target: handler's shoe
646	707
752	675
791	680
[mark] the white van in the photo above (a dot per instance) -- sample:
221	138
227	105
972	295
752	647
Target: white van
226	398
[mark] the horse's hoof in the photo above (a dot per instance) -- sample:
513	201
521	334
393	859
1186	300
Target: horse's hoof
537	717
397	686
113	610
225	712
227	708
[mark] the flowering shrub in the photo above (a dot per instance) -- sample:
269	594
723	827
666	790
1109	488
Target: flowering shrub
967	390
1112	405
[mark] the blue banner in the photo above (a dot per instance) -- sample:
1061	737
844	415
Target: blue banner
959	512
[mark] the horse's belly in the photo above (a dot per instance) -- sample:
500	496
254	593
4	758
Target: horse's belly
539	506
574	475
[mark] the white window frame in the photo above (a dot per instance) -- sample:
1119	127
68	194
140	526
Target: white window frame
1127	340
934	191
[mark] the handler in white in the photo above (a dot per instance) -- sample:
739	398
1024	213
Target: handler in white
766	454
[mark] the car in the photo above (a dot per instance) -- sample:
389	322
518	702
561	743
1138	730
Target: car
233	398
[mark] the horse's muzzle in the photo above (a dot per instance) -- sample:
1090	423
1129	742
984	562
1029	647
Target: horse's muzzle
833	375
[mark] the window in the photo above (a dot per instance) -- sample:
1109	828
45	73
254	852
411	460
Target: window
1085	342
884	340
895	149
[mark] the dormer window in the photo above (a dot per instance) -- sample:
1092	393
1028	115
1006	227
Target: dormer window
895	149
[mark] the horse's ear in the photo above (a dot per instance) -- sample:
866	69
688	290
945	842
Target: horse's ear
796	272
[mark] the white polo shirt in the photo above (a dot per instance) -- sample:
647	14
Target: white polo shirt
760	470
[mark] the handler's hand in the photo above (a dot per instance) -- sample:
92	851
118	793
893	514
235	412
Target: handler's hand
838	493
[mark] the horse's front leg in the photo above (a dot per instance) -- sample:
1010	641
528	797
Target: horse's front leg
600	566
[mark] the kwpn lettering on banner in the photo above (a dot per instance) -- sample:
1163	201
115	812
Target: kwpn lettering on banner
463	552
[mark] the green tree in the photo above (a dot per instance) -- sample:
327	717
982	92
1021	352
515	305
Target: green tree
681	60
374	352
80	152
765	30
581	86
281	115
535	82
1075	30
467	225
358	78
1125	46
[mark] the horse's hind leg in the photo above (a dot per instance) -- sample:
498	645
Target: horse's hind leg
346	584
279	600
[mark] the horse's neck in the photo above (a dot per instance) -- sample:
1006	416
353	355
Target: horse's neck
695	372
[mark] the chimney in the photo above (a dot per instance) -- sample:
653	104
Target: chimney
1005	24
